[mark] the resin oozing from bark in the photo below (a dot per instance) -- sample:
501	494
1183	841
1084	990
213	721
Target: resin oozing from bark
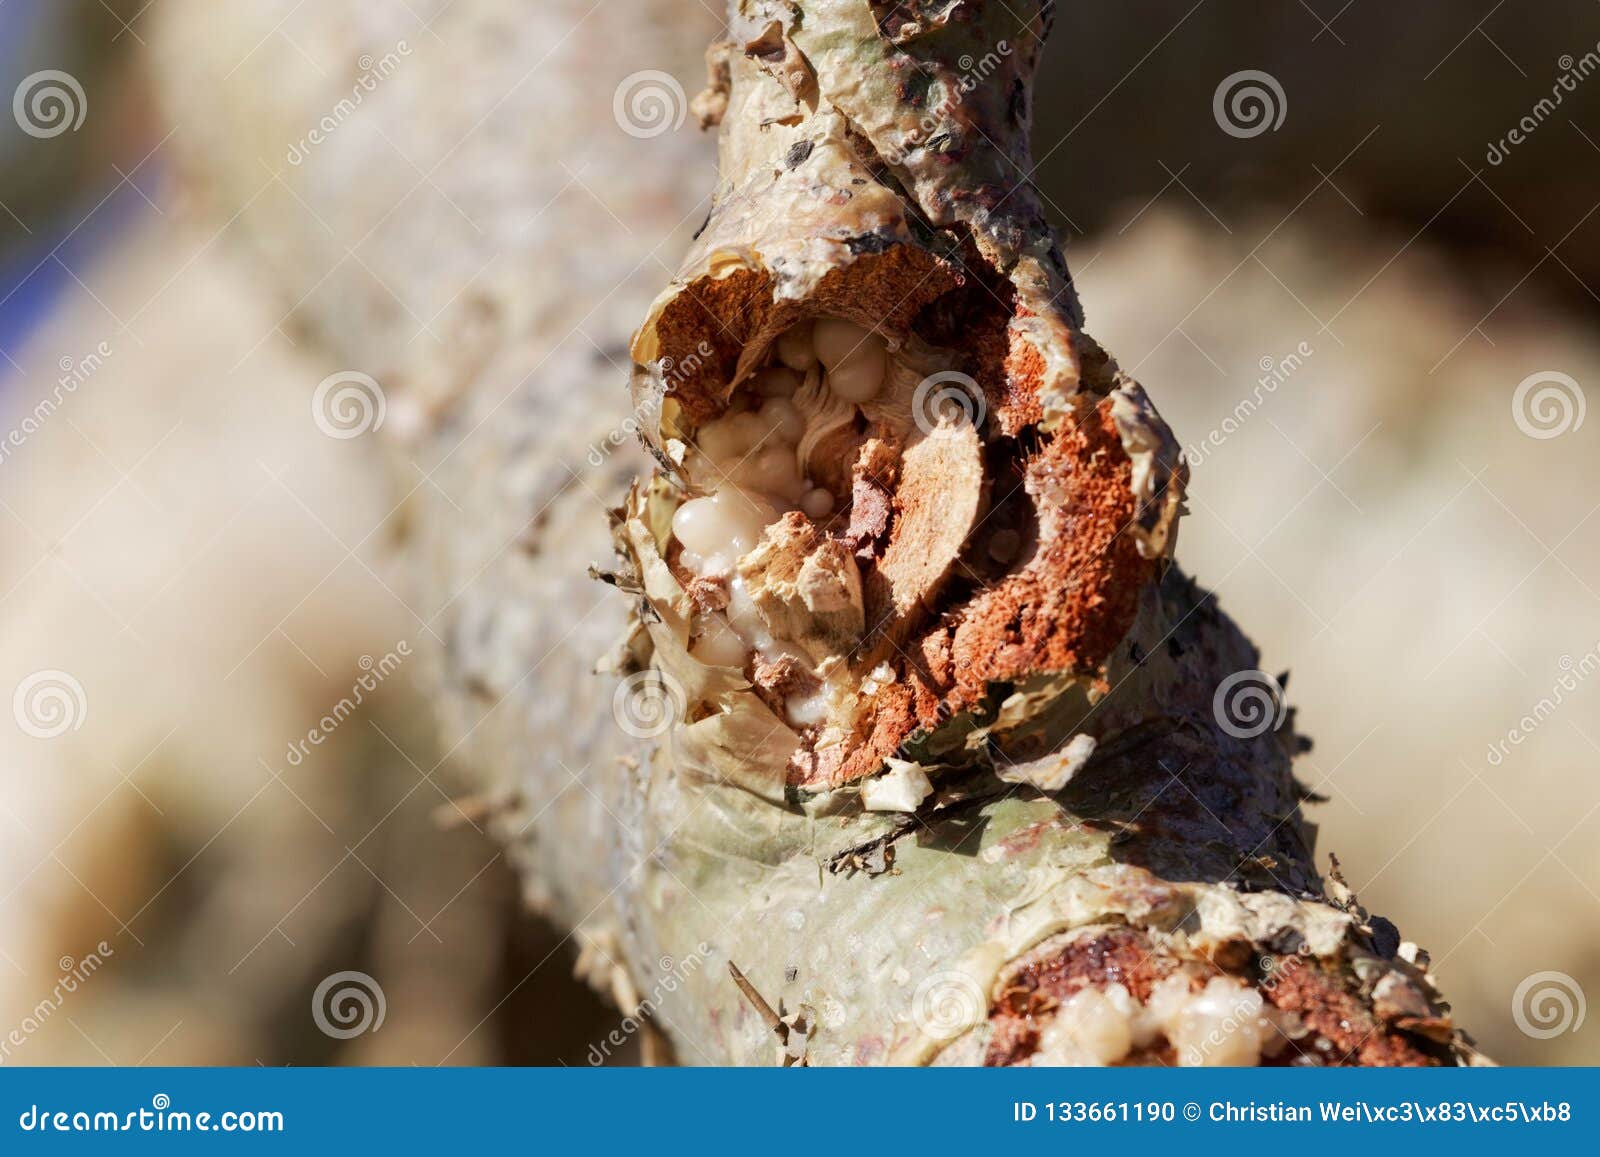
874	556
901	477
1121	997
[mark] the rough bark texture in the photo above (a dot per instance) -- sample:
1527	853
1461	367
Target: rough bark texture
1094	822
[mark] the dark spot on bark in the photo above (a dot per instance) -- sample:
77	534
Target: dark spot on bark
868	243
915	87
1018	106
1385	937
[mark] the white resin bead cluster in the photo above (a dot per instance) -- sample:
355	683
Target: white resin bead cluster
754	452
1225	1023
749	460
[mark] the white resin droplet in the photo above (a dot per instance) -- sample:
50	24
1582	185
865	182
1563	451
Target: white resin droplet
1004	545
784	420
744	617
717	440
1160	1011
795	348
729	522
817	503
750	430
1220	1025
1093	1025
773	471
837	340
718	645
859	378
807	710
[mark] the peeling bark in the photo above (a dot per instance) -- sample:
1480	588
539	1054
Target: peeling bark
1012	664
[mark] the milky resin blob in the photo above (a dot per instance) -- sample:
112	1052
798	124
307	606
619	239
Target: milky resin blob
773	471
836	339
1093	1027
718	529
718	645
857	380
1219	1025
807	710
817	503
783	420
795	348
857	359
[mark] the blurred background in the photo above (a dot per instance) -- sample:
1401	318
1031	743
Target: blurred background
1352	250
